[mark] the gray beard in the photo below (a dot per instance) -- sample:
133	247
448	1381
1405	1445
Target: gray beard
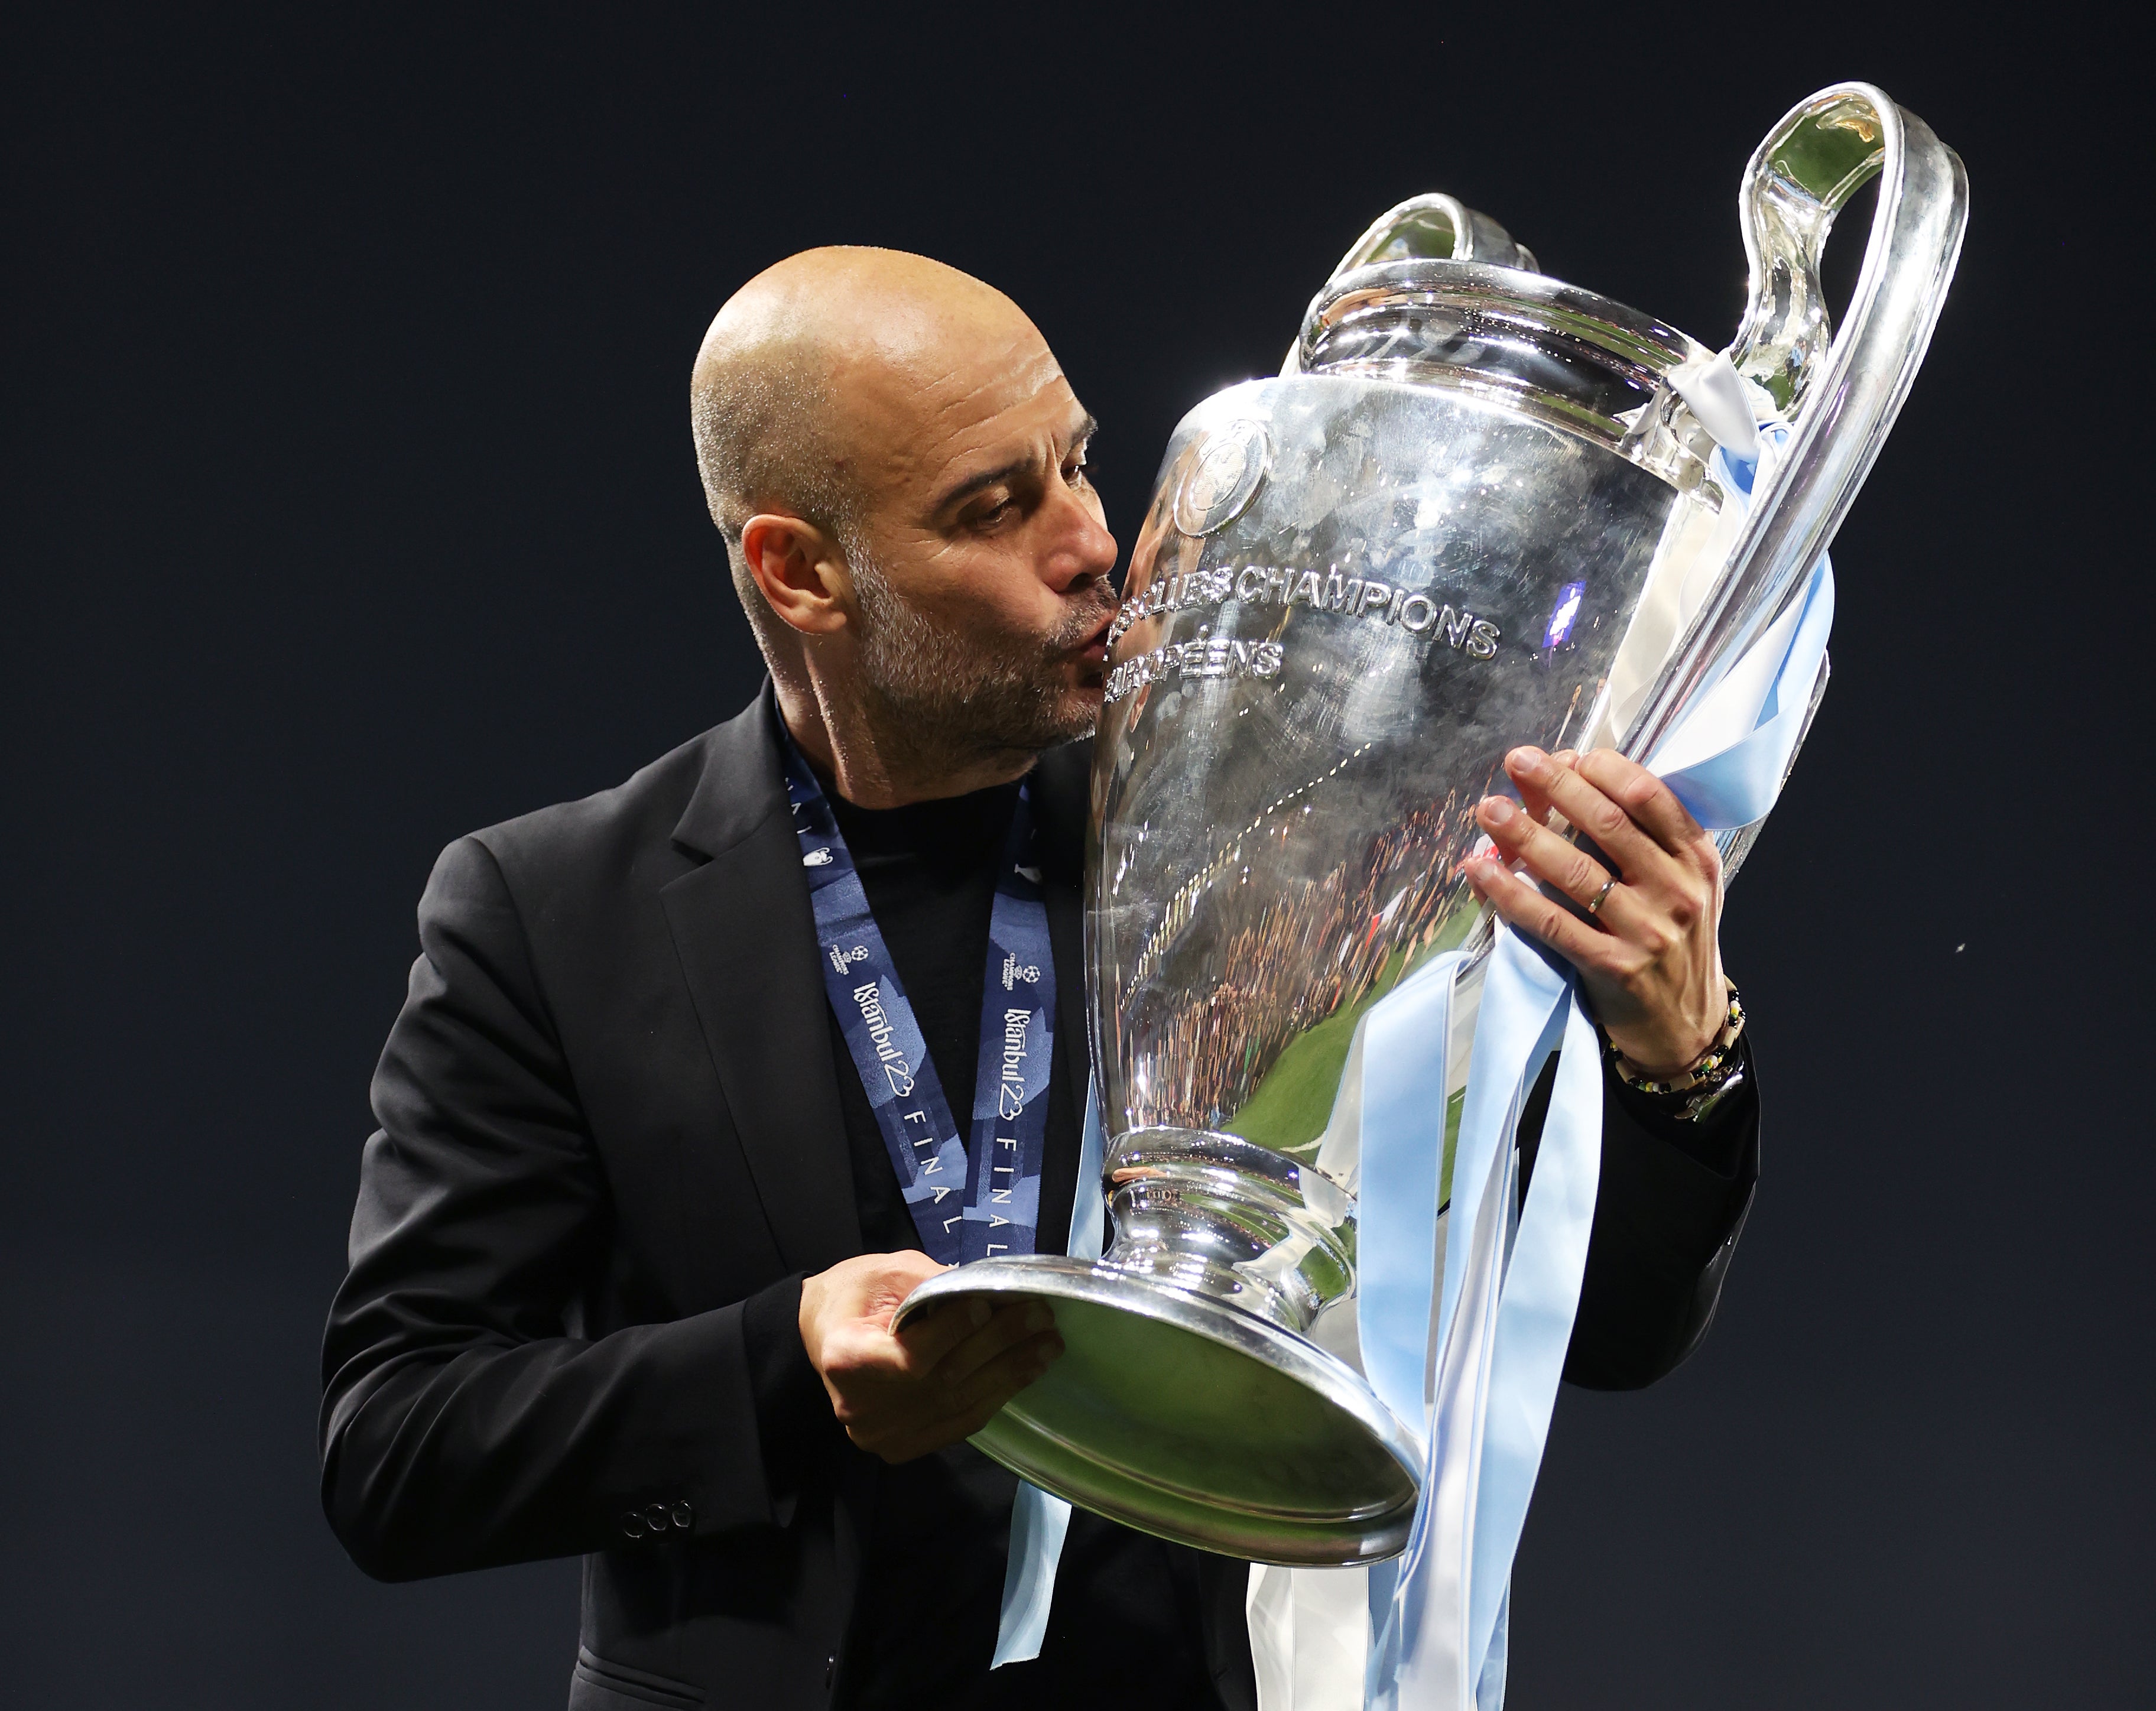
941	700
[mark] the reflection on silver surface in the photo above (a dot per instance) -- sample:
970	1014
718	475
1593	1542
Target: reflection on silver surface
1276	853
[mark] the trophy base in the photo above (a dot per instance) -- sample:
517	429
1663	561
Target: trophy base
1193	1420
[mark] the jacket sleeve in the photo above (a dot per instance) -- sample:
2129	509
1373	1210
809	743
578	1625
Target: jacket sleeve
462	1426
1672	1204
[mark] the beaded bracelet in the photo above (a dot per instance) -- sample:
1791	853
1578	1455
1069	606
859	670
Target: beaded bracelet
1714	1066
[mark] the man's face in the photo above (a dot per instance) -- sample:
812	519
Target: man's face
980	561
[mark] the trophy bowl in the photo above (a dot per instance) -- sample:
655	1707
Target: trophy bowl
1458	521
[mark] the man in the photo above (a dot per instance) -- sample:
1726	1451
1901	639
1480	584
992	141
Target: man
628	1239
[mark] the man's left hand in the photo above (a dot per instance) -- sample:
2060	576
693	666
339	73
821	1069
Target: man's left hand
1649	956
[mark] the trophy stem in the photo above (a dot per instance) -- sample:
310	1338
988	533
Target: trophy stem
1190	1401
1230	1221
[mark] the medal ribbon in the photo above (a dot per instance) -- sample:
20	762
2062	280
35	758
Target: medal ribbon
968	1203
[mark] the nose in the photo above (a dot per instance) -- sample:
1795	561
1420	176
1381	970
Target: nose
1080	549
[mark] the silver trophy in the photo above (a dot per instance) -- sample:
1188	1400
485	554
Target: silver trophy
1452	525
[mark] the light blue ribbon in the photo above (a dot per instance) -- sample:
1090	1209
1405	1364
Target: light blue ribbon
1402	1082
1039	1522
1737	785
1486	1422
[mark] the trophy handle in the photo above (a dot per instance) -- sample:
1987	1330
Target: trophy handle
1432	227
1435	227
1840	395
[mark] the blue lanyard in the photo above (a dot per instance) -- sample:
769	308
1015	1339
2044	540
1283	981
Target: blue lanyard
995	1183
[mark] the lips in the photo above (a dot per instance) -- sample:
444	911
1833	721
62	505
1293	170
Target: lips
1094	650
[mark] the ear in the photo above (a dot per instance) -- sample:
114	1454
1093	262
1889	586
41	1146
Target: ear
800	571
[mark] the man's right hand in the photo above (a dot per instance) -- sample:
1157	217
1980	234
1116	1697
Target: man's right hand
940	1380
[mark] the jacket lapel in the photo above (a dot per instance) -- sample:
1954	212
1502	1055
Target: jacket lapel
742	927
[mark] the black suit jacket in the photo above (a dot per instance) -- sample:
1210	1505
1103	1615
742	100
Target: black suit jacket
609	1124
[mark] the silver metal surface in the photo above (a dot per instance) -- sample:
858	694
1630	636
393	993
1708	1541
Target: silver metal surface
1279	846
1357	587
1211	1427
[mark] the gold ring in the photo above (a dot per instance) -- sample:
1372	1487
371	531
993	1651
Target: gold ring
1609	885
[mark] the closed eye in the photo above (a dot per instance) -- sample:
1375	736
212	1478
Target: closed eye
994	516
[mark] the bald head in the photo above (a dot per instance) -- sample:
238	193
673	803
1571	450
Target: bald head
812	376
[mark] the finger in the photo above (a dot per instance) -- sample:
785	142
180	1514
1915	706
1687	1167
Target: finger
1637	856
995	1382
929	1421
1543	918
1534	794
861	1365
1557	860
928	1340
988	1393
1645	799
1006	1327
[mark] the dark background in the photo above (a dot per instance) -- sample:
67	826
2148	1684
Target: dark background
350	506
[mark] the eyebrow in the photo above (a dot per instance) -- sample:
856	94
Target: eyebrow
972	485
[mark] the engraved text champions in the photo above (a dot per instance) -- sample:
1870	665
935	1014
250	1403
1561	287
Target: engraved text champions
1258	586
